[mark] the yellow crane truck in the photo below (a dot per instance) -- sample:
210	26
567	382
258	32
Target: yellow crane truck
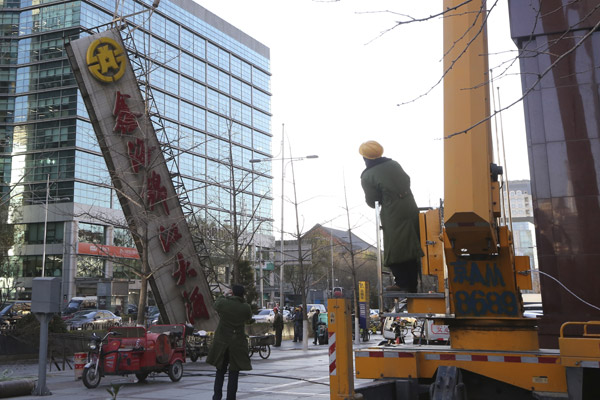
494	352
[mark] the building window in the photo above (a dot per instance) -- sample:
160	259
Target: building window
122	238
34	233
90	267
91	233
126	269
32	266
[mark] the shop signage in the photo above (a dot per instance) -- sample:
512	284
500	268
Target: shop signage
141	178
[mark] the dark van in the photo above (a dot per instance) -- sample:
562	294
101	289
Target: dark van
78	304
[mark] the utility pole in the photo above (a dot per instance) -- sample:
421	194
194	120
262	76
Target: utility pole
45	225
281	294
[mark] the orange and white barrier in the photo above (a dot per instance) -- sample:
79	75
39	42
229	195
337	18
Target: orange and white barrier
79	361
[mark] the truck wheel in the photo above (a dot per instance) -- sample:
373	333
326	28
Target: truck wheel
175	371
91	378
141	376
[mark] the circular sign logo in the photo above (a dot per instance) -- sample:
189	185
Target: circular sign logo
106	60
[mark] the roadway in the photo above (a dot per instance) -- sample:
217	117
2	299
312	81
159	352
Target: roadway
289	373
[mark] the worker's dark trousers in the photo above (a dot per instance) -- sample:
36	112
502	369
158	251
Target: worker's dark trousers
278	337
232	381
406	274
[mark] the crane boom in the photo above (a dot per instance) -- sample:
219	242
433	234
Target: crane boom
469	218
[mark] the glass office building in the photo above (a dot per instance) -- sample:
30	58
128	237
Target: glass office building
210	83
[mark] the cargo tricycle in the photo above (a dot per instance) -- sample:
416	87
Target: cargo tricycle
135	350
261	345
197	345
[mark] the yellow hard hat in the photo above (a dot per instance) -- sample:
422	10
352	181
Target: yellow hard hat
371	150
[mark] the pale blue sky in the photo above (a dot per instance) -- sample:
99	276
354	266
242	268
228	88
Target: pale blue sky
334	87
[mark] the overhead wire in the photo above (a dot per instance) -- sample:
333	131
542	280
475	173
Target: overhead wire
505	164
562	285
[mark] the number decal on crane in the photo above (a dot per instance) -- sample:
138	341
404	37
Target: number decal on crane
477	303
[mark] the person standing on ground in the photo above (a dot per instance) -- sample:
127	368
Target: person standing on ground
278	326
298	318
230	346
385	181
315	324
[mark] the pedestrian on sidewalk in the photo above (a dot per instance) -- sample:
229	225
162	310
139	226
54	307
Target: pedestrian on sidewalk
315	324
278	326
298	318
385	181
230	346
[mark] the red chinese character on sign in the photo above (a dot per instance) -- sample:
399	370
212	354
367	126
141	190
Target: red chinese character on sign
168	236
126	121
156	192
183	270
195	307
138	154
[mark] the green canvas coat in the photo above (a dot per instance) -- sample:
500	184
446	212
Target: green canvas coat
234	313
388	184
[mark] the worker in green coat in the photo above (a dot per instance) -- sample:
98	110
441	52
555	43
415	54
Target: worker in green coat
385	181
230	345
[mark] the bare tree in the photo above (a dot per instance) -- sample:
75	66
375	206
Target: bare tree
505	60
355	260
235	209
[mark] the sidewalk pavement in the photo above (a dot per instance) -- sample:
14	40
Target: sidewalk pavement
288	374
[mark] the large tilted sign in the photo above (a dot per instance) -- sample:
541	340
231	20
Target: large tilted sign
141	177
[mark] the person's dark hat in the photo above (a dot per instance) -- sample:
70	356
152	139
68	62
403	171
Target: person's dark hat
237	290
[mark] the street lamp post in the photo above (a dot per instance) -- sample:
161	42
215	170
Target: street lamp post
45	225
283	167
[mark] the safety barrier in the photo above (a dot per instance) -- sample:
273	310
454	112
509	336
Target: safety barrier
79	361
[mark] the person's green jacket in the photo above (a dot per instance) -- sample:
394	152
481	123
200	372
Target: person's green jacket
230	335
386	182
278	321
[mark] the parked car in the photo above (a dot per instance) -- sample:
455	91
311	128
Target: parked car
312	308
79	304
131	309
287	315
264	315
93	319
427	332
152	315
14	311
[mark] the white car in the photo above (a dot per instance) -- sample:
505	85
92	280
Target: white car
264	315
287	315
312	308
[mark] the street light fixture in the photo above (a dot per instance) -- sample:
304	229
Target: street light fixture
283	167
